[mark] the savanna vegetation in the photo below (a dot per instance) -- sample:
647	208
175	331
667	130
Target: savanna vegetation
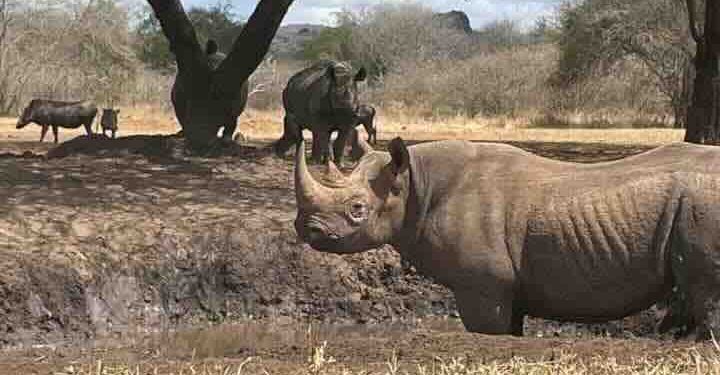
599	63
121	243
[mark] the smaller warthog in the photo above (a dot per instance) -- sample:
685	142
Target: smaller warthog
109	121
55	114
322	98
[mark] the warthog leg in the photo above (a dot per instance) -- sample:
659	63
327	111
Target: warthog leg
43	132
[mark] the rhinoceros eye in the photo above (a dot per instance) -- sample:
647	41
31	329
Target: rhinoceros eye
357	211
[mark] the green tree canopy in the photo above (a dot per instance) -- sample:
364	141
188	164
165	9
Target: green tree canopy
216	22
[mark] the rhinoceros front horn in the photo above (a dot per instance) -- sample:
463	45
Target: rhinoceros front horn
307	189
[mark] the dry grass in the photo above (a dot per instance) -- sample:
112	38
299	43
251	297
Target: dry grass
267	125
689	361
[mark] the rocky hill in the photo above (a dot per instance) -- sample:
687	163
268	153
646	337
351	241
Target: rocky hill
289	40
455	19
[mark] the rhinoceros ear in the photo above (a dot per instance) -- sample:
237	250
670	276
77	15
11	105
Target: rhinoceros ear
361	75
400	156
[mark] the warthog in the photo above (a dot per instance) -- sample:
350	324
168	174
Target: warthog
515	234
109	121
322	98
51	113
234	108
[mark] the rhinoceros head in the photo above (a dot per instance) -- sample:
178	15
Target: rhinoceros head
343	95
347	214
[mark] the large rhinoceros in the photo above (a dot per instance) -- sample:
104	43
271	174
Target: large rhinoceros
515	234
322	98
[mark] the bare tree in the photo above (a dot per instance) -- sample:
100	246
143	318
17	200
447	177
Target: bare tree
204	99
596	35
703	118
652	33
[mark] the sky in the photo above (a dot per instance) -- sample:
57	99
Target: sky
481	12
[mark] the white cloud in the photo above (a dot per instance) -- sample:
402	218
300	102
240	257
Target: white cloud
480	11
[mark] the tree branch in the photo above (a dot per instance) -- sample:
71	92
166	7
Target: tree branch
692	19
252	44
181	35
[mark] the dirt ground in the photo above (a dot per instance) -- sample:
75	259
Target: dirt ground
277	348
99	251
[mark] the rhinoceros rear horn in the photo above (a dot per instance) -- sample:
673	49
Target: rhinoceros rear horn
400	156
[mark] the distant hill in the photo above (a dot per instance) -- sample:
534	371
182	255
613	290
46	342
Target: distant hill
455	19
289	39
288	42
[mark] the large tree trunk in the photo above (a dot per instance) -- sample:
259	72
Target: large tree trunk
703	120
205	99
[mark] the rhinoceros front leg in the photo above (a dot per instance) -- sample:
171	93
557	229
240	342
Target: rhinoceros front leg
229	127
292	132
481	312
320	145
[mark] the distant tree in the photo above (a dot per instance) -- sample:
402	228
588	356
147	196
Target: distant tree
57	50
217	22
503	34
544	31
597	34
332	42
152	47
703	115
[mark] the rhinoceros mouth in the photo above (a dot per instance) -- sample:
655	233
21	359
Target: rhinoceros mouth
313	231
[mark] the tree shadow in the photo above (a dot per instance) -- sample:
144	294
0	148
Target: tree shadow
163	147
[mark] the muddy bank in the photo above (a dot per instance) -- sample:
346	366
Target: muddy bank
120	242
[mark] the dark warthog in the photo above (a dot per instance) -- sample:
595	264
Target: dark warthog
56	114
322	98
234	107
109	120
515	234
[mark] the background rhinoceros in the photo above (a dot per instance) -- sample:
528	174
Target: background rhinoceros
322	98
